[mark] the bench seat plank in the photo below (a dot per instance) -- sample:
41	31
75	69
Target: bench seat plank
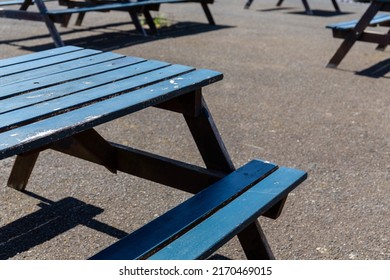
202	240
38	55
36	79
349	25
65	83
23	67
164	228
93	95
30	136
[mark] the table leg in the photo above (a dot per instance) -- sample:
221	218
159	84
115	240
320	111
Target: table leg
50	24
208	140
307	7
215	156
21	171
354	35
248	4
137	23
336	6
208	13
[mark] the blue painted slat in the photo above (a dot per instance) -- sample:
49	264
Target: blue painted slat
38	55
165	227
202	240
7	91
98	87
43	132
25	77
17	68
379	18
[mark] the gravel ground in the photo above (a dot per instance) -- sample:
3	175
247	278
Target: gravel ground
277	102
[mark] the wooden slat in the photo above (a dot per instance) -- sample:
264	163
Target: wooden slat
37	134
37	55
96	93
202	240
28	76
59	84
378	19
190	212
22	67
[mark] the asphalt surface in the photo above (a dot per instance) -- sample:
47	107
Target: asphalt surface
277	102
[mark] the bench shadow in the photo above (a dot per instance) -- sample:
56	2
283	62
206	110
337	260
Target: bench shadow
219	257
378	70
321	13
109	38
275	9
53	219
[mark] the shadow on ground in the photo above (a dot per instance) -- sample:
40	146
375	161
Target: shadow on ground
53	219
321	13
378	70
109	38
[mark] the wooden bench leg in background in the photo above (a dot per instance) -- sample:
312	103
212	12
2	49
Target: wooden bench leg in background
50	24
21	171
248	4
307	7
208	13
137	23
336	6
353	36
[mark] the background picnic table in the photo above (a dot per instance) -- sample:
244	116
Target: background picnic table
277	102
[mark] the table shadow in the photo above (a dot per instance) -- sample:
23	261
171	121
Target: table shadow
321	13
109	38
53	219
378	70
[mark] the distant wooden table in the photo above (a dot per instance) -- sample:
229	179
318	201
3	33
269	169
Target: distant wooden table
356	30
63	14
304	2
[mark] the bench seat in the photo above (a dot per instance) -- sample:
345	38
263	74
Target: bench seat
349	25
199	226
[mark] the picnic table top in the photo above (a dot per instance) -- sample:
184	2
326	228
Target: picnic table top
54	94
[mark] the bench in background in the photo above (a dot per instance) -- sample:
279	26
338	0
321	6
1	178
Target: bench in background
356	30
62	15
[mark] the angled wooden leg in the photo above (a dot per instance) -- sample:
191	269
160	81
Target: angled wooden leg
208	141
354	35
80	19
307	7
280	2
150	21
248	4
254	243
336	6
50	24
208	13
215	156
137	23
21	171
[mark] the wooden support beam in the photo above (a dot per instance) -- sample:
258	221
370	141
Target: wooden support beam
21	171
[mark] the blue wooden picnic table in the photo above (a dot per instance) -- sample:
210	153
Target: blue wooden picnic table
54	99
